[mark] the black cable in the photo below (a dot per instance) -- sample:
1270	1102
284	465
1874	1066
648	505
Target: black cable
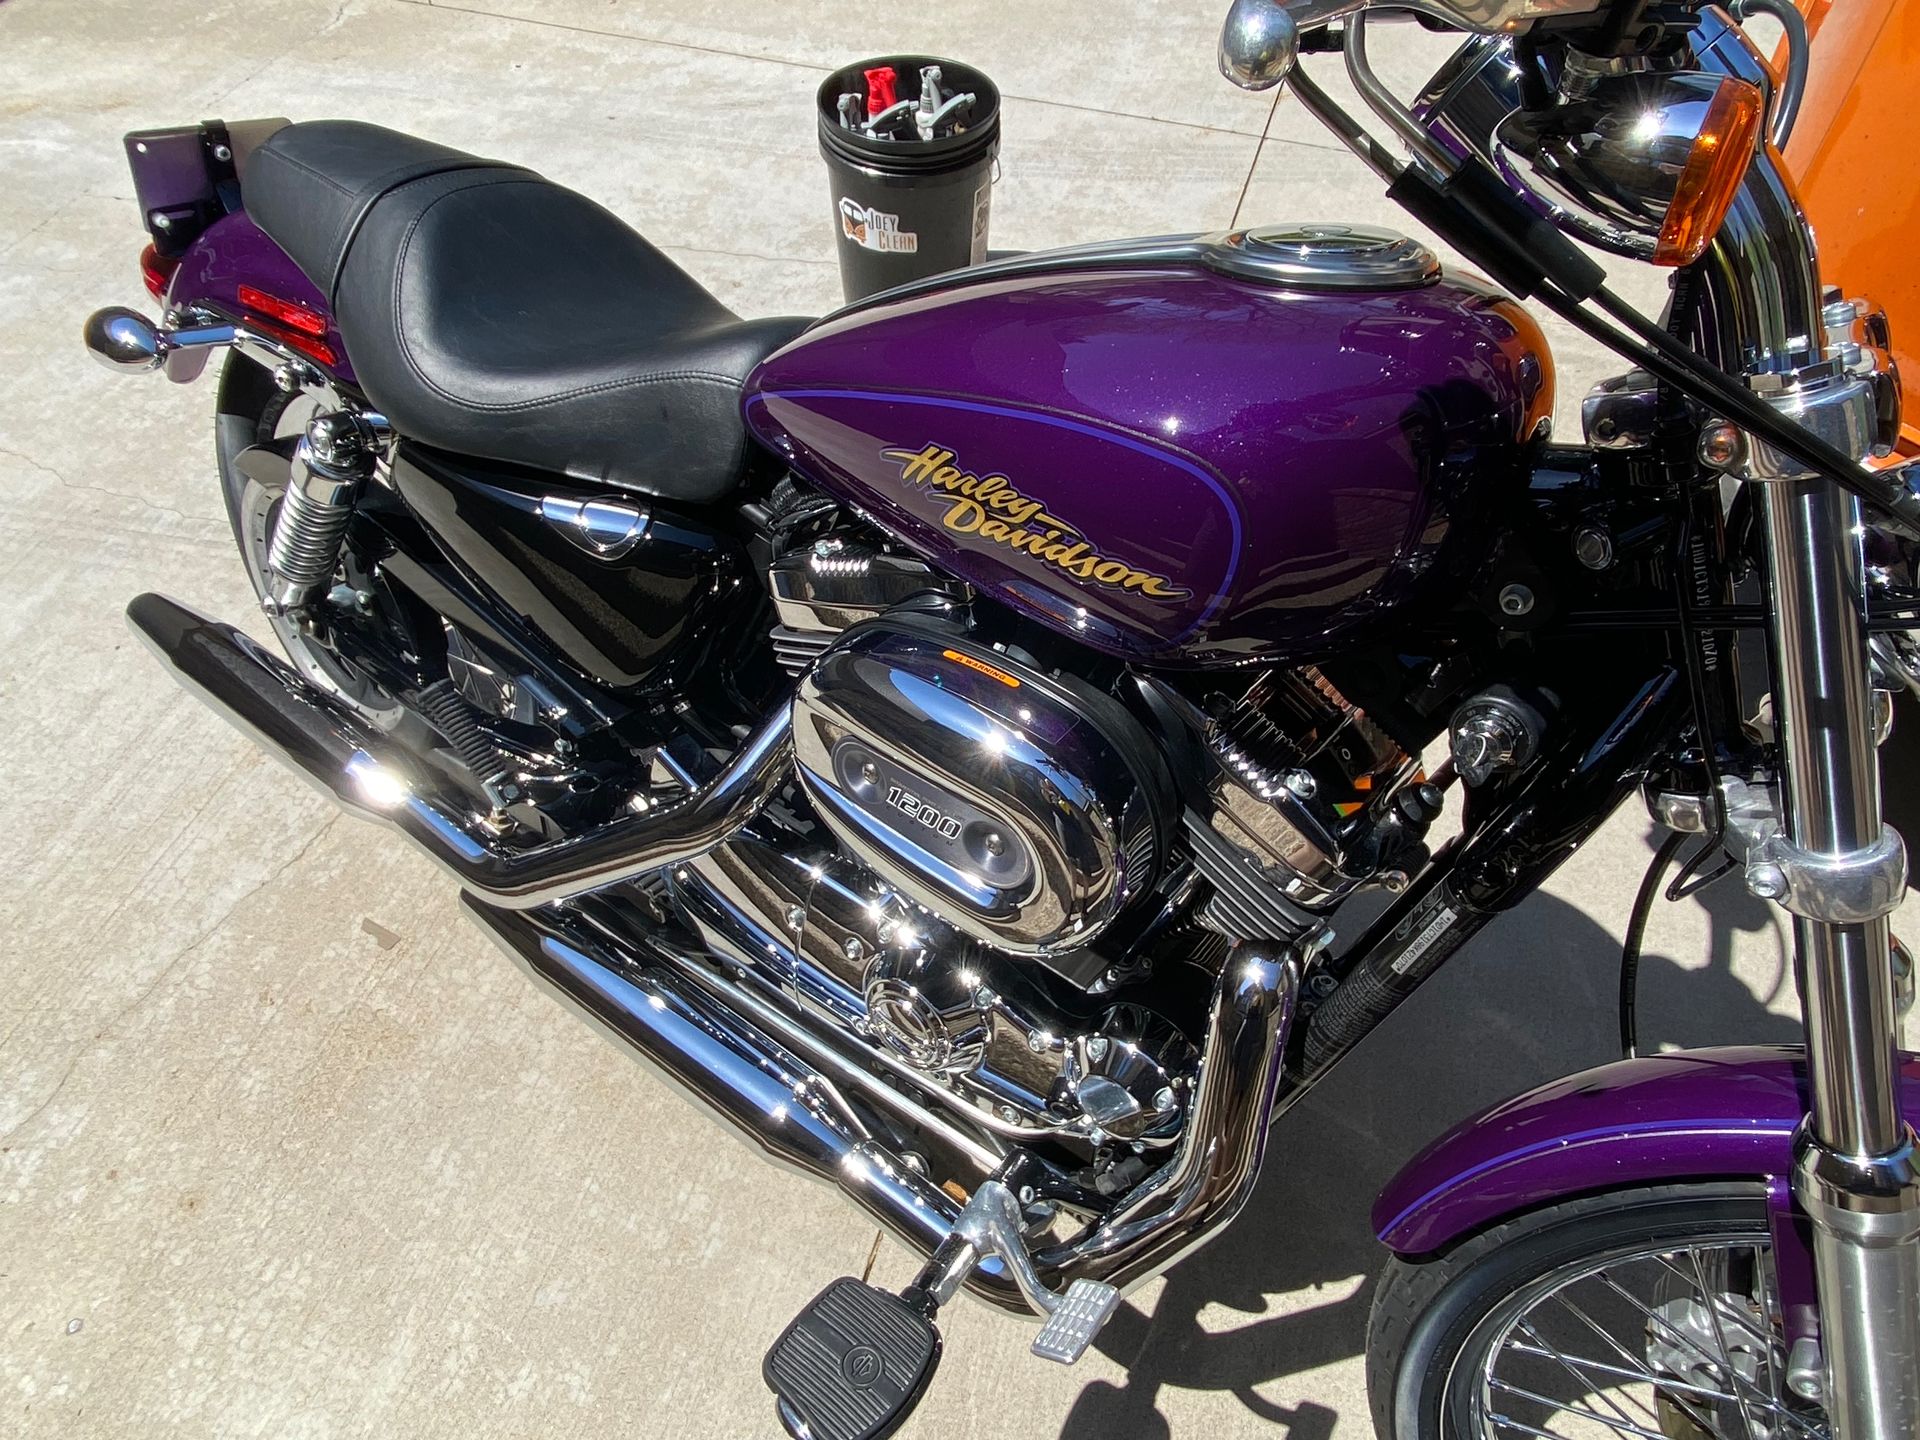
1673	360
1636	934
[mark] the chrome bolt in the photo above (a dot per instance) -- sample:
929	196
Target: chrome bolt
1395	882
1806	1369
1037	1041
1300	783
853	949
1767	880
1097	1049
994	844
1164	1099
1722	446
1593	547
1516	600
796	918
222	153
1028	1195
870	772
1008	1114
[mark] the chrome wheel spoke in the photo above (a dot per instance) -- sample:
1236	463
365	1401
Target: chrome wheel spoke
1567	1407
1653	1344
1541	1348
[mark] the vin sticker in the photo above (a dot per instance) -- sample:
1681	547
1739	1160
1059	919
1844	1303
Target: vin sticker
1437	925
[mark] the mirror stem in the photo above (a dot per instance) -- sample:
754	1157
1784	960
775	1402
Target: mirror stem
1384	103
1377	157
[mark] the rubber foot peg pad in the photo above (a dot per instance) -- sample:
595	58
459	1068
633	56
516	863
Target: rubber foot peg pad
852	1365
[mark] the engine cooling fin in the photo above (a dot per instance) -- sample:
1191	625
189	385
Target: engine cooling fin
1244	905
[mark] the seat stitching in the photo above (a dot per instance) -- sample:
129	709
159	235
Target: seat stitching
337	188
605	386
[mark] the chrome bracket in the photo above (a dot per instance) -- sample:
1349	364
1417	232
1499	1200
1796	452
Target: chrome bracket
989	1227
1845	889
1822	399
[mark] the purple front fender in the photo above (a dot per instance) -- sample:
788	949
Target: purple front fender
1726	1113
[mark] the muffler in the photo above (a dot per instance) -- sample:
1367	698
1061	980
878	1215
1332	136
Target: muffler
371	777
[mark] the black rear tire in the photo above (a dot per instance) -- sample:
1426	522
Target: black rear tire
1427	1313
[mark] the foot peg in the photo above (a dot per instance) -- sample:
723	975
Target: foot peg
853	1364
1075	1320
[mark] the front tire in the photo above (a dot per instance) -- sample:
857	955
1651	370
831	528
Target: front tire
1650	1311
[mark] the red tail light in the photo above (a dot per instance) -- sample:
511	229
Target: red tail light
307	345
156	271
292	324
289	314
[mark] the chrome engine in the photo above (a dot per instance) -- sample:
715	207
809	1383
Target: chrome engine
933	1006
963	817
1024	808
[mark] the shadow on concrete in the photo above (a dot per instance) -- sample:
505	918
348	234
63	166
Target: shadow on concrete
1533	998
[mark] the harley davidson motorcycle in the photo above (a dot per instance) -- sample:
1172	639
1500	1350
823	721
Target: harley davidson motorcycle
944	737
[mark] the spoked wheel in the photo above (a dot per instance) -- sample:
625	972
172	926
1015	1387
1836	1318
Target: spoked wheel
1651	1314
255	411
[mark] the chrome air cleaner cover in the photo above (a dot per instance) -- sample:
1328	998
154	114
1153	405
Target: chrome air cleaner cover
1022	808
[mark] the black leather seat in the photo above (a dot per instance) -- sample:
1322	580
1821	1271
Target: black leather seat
490	312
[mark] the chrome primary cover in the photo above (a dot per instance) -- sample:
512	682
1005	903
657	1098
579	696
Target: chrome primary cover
998	798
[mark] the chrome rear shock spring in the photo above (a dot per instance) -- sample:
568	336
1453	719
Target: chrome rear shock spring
331	463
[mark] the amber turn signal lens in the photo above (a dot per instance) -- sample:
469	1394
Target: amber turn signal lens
1718	163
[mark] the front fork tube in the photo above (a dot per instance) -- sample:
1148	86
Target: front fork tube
1855	1174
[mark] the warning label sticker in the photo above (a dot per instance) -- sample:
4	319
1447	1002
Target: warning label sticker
876	229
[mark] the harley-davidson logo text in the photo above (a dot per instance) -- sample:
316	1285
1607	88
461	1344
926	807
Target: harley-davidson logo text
991	508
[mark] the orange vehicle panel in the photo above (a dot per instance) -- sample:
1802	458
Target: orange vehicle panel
1855	151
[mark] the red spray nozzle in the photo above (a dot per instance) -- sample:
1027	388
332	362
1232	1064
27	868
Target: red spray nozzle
880	83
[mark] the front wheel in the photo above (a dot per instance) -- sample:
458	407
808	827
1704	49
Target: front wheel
1650	1313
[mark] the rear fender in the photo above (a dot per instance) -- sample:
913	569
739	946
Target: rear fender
231	252
1726	1113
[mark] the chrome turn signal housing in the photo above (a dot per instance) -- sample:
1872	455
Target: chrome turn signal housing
1642	163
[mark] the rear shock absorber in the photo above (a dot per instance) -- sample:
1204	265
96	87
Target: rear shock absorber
333	460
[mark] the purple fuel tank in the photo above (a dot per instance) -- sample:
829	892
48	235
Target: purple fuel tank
1199	451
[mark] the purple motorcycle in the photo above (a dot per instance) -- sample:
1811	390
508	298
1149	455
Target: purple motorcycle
944	737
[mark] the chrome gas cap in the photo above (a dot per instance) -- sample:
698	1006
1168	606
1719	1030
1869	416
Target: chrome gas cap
1319	256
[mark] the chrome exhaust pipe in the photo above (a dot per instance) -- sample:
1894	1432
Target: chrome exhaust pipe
720	1059
692	1027
371	777
672	1013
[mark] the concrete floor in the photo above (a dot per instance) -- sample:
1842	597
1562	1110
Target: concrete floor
285	1148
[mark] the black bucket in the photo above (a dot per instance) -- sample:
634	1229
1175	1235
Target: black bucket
904	208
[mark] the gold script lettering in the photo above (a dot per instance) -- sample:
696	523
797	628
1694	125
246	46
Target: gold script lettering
994	509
